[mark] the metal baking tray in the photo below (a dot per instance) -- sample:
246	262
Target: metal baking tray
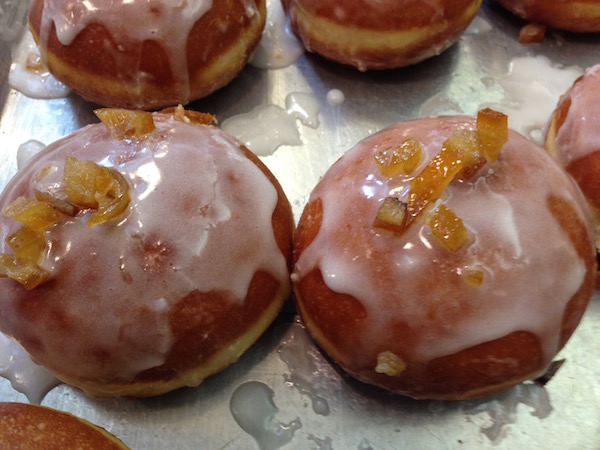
285	393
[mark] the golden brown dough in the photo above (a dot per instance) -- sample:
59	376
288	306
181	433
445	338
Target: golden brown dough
146	54
450	294
167	292
580	16
379	35
32	427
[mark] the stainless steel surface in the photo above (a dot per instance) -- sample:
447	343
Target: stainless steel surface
322	408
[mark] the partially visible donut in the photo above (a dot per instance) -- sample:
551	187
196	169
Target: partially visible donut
32	427
146	54
371	35
580	16
432	271
142	256
573	137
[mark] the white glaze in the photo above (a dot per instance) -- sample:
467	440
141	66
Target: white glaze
532	88
23	373
253	408
526	285
131	23
37	83
198	220
278	47
304	107
264	129
527	92
335	97
579	135
28	150
298	352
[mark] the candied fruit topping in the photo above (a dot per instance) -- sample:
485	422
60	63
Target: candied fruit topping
124	124
34	63
27	245
532	33
390	364
34	214
448	228
473	277
403	158
184	115
461	157
432	181
466	144
492	128
29	274
391	215
60	205
88	185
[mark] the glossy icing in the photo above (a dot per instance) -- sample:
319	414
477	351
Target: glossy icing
579	134
199	219
528	263
132	22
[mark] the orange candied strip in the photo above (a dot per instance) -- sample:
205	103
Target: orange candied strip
462	156
448	228
432	181
188	116
403	158
123	124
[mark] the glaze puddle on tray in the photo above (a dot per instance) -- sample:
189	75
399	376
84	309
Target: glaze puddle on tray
502	409
30	76
24	375
267	127
297	351
528	93
254	409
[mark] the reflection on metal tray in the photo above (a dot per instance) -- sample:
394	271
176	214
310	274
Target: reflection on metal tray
301	400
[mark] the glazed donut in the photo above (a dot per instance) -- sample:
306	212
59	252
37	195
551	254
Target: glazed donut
579	16
432	268
143	255
146	54
33	427
379	35
573	137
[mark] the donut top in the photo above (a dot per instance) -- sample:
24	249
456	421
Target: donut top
199	219
132	22
579	134
524	261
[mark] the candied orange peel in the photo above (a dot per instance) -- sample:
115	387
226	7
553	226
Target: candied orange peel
448	228
390	364
188	116
88	186
91	186
403	158
461	157
124	124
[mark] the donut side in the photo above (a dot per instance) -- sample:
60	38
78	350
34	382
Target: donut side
178	57
573	140
176	288
579	16
410	317
379	35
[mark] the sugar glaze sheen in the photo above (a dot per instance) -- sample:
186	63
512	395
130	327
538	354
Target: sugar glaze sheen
170	246
409	295
146	54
